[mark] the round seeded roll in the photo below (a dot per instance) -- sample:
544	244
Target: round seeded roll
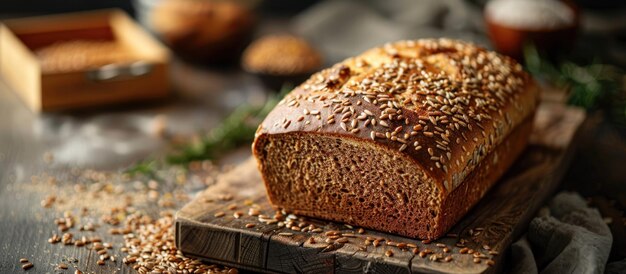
403	138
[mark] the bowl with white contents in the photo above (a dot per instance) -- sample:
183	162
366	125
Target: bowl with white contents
550	25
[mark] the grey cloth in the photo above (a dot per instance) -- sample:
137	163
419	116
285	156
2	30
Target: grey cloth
566	237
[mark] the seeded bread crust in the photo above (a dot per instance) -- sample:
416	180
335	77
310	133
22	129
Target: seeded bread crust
442	106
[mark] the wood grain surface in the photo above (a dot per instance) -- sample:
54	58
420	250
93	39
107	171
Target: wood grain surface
25	137
500	217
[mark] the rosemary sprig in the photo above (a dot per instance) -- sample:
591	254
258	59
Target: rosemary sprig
147	168
594	87
235	130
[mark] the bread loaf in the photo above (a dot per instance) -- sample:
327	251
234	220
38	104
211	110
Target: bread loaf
404	138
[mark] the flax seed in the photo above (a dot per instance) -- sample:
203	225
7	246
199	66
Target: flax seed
27	266
332	233
253	212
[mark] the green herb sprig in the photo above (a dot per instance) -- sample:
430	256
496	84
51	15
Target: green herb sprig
595	86
235	130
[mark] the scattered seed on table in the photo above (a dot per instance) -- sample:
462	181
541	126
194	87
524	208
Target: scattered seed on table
23	260
27	266
332	233
250	225
491	262
476	260
100	262
253	212
62	266
389	253
219	214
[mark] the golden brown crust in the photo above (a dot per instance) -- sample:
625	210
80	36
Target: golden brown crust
445	104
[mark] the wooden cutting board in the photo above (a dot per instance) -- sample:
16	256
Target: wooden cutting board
257	244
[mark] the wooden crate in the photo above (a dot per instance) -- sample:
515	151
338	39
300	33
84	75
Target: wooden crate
50	91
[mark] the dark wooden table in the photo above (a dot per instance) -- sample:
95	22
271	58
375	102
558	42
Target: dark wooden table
109	139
